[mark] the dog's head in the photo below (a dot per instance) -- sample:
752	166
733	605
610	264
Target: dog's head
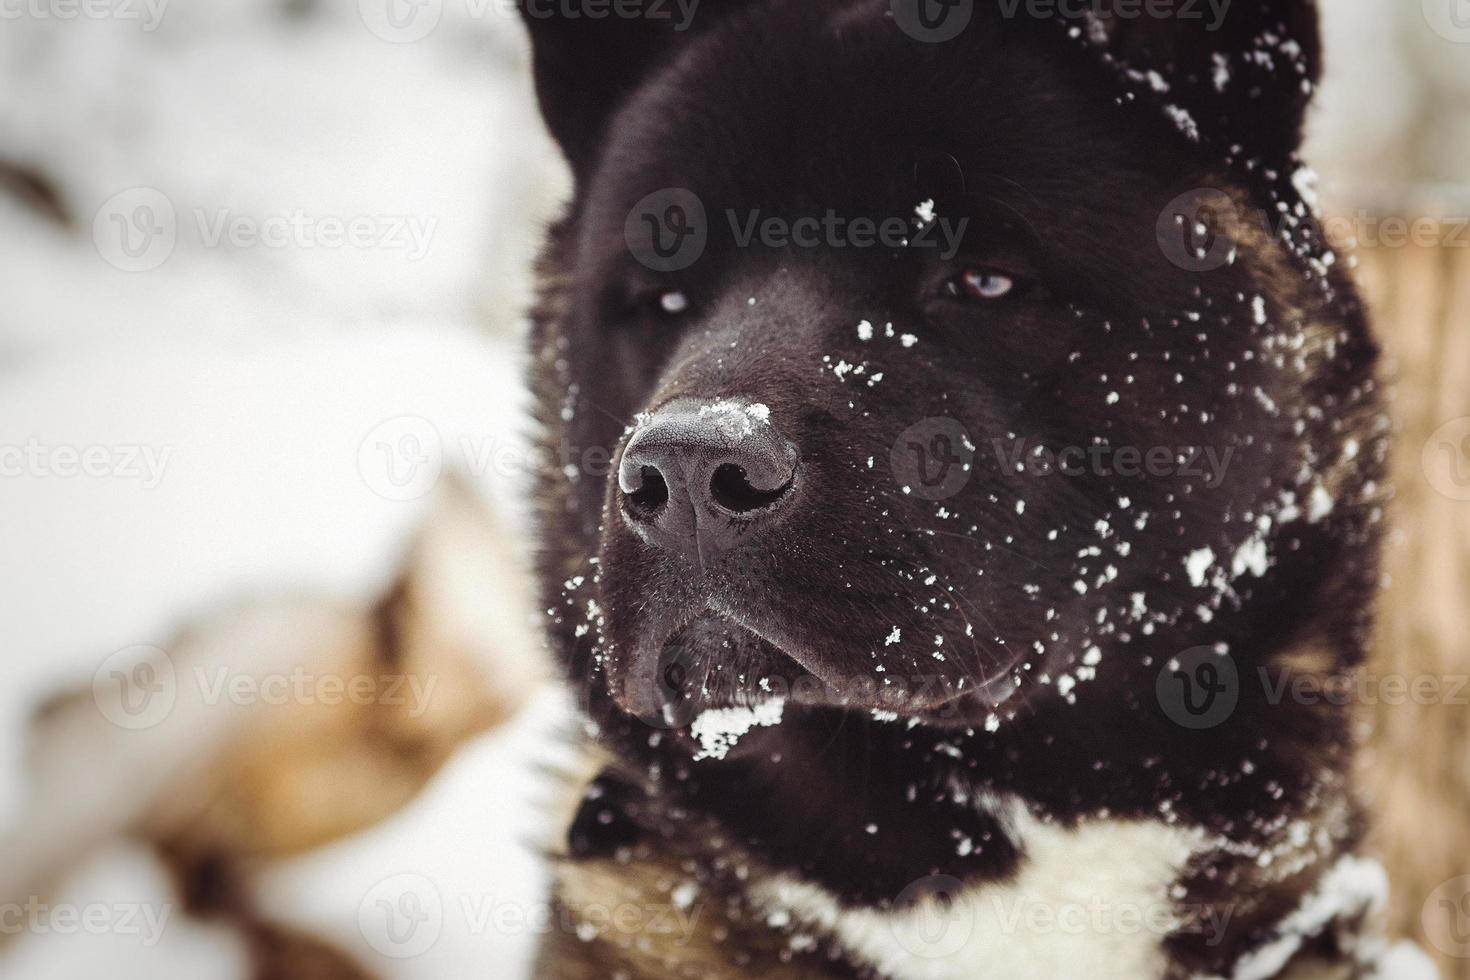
932	359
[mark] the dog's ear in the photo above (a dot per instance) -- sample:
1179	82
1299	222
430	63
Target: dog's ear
585	67
1237	73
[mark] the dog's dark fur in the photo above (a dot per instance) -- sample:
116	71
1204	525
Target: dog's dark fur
1062	143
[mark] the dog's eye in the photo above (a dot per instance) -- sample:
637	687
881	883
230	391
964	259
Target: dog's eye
981	285
672	302
645	303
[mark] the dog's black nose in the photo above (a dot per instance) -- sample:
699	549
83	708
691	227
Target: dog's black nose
696	479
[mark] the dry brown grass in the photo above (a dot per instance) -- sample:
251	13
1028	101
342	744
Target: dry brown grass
1418	766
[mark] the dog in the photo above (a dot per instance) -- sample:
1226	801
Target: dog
962	449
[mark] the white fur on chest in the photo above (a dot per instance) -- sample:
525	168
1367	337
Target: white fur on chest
1091	901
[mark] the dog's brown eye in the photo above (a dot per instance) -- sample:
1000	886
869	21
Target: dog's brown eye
981	285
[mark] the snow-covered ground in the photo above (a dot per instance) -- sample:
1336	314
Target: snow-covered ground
345	225
297	235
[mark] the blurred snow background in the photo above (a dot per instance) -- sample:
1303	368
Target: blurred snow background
261	377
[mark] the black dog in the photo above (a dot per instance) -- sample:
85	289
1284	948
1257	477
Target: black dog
965	449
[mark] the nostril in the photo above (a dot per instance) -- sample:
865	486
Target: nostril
730	487
652	492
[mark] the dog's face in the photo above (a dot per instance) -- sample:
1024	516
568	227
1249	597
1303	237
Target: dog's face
923	382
